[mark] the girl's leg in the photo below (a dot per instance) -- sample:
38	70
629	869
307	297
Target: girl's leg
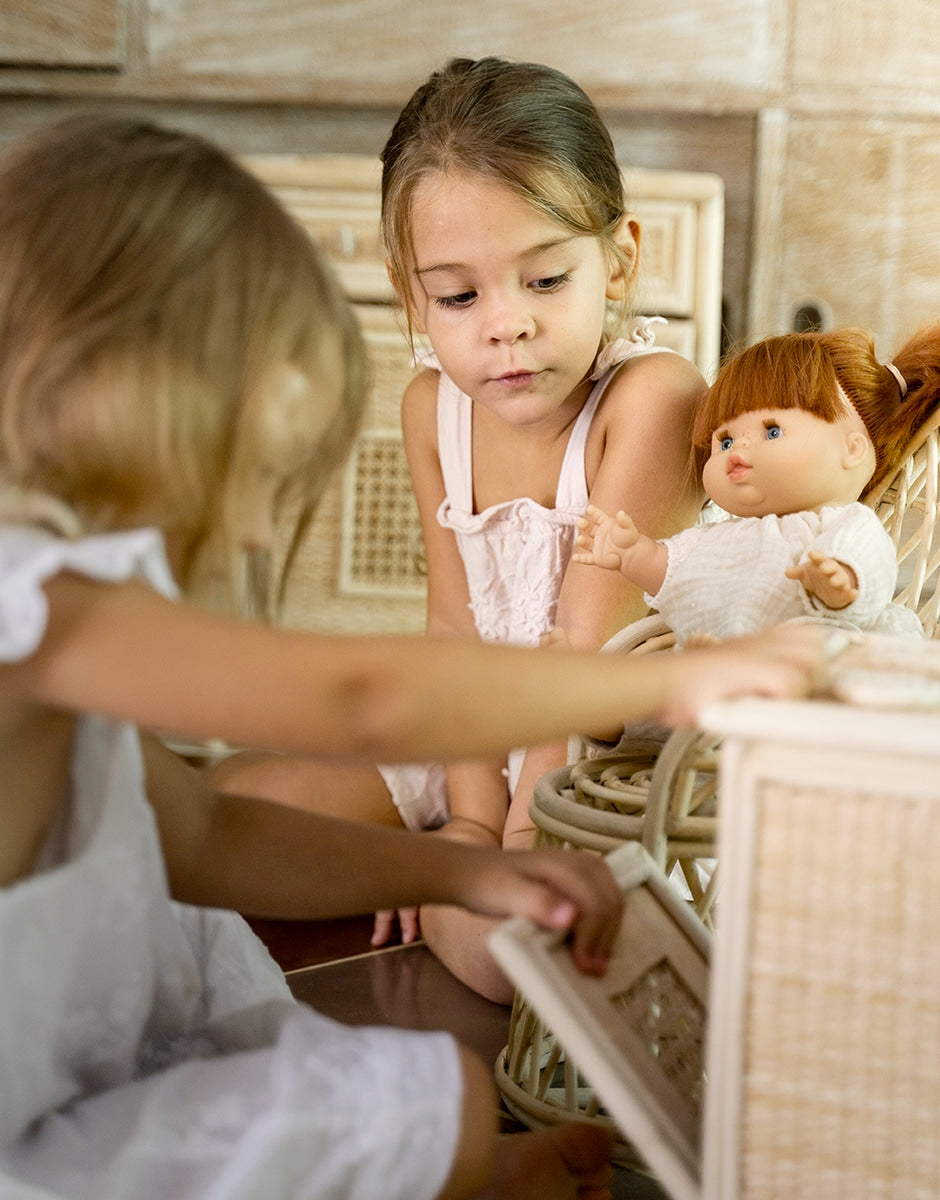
568	1162
353	793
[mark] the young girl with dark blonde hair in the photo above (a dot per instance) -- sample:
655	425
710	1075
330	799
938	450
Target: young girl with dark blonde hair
174	359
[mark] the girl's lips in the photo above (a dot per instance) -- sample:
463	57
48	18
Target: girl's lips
516	379
738	471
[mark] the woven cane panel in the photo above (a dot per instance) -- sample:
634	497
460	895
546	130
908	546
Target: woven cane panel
382	547
841	1088
909	509
669	1020
360	566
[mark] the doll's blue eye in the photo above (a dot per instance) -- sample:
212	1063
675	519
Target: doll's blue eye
726	443
773	431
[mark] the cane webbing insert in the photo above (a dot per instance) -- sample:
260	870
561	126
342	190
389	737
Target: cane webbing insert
842	1043
382	544
670	1021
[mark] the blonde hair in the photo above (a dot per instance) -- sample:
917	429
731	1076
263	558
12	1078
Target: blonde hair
523	125
806	370
147	284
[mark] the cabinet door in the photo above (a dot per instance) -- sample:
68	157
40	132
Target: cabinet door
61	33
847	225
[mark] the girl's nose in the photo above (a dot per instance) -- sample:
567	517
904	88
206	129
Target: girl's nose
510	320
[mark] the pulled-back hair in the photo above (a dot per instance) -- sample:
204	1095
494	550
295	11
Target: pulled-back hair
522	125
147	283
805	371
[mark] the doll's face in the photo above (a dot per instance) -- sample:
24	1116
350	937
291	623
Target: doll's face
778	461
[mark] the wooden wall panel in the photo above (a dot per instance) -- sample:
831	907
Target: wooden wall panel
368	51
75	33
858	227
867	46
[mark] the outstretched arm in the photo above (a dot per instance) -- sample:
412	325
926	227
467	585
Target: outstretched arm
274	860
616	544
832	583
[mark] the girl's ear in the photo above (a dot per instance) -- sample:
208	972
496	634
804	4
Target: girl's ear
280	424
627	237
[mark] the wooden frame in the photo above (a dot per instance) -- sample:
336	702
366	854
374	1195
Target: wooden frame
637	1033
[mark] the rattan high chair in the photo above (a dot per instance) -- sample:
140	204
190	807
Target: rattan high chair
665	795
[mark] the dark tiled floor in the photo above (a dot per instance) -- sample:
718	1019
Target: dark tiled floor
331	966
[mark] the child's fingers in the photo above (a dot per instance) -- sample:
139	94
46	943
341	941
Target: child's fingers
408	920
383	928
578	890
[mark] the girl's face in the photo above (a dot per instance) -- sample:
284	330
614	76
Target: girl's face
784	460
512	303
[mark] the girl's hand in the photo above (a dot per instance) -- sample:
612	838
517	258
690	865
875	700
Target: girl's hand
832	582
558	889
786	662
384	928
604	540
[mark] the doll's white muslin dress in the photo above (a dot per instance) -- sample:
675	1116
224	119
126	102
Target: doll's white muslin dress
152	1051
515	554
729	578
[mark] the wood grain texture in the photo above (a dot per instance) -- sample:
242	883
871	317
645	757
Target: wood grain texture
74	33
360	51
857	227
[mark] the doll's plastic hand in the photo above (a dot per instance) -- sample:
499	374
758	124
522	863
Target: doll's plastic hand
385	921
604	540
557	889
832	583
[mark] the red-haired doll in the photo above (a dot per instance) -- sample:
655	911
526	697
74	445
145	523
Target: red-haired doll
795	428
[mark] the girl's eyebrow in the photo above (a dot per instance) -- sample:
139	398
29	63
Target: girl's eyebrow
532	252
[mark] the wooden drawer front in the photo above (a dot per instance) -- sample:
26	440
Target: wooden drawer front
667	257
360	568
61	33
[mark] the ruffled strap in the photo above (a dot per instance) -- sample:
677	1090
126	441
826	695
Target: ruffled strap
640	337
31	555
28	506
425	357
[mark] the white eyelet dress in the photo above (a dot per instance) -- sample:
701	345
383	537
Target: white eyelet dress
515	554
152	1050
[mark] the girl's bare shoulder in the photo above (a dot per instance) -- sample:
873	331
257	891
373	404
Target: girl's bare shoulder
656	378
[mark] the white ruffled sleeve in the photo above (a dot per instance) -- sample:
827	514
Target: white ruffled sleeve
30	556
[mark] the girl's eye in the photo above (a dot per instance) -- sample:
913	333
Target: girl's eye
551	283
773	431
461	300
725	443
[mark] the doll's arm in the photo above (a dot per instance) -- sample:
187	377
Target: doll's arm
617	544
832	583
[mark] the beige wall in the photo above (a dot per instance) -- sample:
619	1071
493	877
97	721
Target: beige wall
820	117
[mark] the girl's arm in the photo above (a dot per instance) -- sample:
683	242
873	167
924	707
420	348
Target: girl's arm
477	790
638	460
273	860
126	652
